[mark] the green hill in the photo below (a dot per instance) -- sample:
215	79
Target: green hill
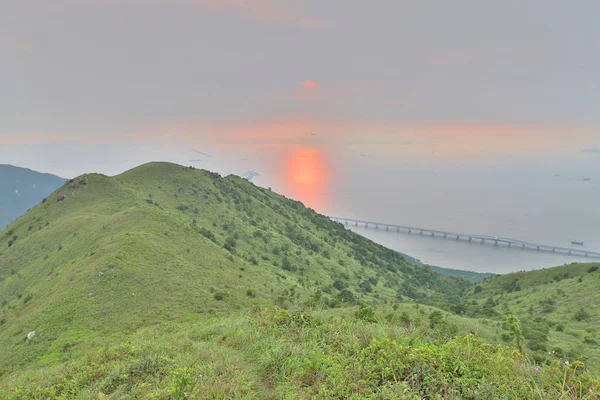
559	308
167	279
21	189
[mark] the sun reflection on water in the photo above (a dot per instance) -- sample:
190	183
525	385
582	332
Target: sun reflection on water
307	175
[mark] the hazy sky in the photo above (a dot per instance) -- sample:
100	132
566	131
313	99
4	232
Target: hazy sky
103	85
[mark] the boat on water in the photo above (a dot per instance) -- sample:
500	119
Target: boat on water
577	242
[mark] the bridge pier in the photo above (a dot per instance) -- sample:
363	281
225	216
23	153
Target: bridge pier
421	233
445	236
409	231
457	237
509	244
470	239
495	243
538	248
387	228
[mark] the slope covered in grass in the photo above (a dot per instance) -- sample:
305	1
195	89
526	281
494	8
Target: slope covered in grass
559	308
305	355
103	257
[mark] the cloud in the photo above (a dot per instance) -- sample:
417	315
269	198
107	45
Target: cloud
17	44
457	58
273	11
265	10
591	150
457	141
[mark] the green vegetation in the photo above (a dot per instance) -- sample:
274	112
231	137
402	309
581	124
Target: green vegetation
296	355
559	309
171	282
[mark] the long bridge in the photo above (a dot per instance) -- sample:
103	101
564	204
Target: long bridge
483	239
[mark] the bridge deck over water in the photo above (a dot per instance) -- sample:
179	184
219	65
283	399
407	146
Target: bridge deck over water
471	237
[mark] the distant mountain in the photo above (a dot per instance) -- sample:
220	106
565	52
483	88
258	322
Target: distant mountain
21	189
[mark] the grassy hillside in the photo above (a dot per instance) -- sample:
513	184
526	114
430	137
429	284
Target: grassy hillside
22	188
332	354
470	276
558	307
172	282
105	256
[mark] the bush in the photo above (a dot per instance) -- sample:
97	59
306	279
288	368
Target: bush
581	315
366	314
230	244
27	298
250	293
593	268
346	296
435	318
219	296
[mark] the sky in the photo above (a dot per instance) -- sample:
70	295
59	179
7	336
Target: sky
104	85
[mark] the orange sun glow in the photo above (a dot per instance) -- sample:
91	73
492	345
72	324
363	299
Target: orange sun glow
307	174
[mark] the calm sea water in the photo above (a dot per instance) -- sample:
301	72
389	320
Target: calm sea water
540	204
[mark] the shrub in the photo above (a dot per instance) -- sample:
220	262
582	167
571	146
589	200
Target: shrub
230	244
346	296
250	293
593	268
339	285
366	314
435	318
219	296
27	298
581	315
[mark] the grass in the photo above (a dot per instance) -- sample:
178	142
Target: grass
559	308
104	256
276	354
